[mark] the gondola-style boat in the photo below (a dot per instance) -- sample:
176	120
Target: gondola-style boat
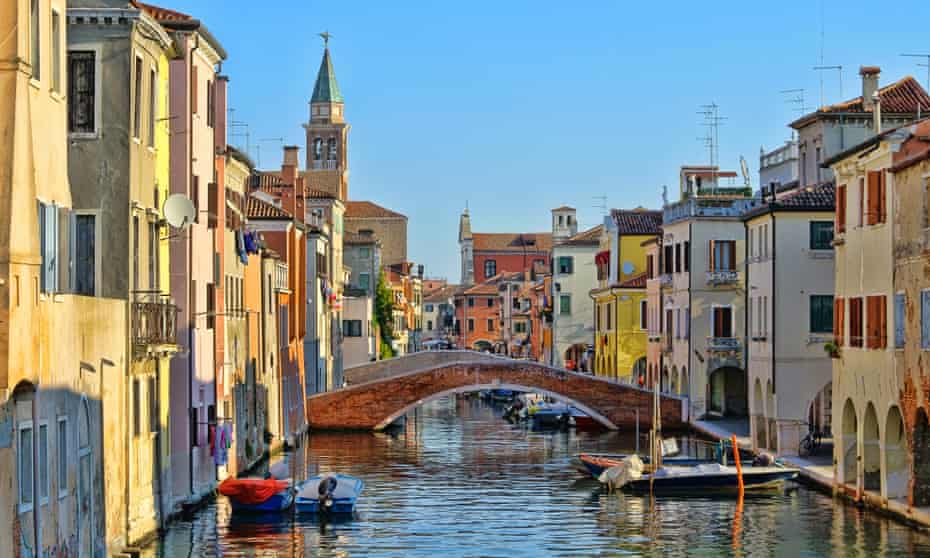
257	495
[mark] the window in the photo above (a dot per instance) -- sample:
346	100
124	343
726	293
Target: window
364	280
211	103
195	82
565	304
85	254
821	235
43	463
137	101
855	322
136	407
678	258
687	321
490	325
687	255
62	455
48	232
650	267
678	323
153	106
899	320
643	315
26	467
153	257
211	306
135	252
519	327
668	259
861	201
317	149
428	308
490	268
841	209
81	92
925	319
875	209
152	392
56	52
490	303
429	325
352	328
35	51
471	302
364	252
839	323
723	321
877	322
471	324
566	265
821	313
610	316
331	149
723	255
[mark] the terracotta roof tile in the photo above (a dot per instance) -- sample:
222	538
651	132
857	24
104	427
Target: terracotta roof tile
512	242
441	294
635	282
637	221
369	210
821	196
901	97
258	209
591	236
162	14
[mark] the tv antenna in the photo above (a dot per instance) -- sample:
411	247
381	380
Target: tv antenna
924	65
712	121
744	168
822	69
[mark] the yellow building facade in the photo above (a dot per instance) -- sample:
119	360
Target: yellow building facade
620	301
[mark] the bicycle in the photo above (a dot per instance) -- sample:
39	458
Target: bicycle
811	442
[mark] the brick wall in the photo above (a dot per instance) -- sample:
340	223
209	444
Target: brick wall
366	406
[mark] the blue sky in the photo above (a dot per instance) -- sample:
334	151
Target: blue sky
520	106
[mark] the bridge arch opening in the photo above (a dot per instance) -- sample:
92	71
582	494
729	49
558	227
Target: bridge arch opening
513	387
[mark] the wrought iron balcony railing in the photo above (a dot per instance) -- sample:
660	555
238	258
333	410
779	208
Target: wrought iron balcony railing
722	277
724	344
154	322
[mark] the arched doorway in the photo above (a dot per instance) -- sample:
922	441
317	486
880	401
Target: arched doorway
663	386
758	414
850	449
921	459
685	382
871	451
27	491
820	410
895	455
728	392
673	387
574	356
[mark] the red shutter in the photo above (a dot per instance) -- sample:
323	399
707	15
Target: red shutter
882	197
838	316
731	246
193	88
710	256
841	209
874	189
883	321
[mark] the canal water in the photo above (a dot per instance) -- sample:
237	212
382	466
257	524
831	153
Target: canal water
457	480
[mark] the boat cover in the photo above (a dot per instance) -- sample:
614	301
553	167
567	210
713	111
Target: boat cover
251	491
629	468
346	487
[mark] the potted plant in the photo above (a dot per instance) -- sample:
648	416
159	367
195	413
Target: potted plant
832	349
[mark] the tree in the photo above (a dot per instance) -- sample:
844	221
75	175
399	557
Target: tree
384	315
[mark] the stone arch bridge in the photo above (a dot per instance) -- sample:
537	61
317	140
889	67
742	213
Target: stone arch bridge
379	392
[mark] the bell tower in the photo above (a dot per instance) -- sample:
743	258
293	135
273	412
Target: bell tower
327	133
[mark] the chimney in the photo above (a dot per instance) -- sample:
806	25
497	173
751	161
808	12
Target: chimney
869	84
289	165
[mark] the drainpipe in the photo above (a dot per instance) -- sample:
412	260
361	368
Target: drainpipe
690	331
774	302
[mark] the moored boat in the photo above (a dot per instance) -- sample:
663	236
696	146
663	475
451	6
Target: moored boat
709	477
596	463
257	495
329	494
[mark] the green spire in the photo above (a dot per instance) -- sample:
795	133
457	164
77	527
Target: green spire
326	89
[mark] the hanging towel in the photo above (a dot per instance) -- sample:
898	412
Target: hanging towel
250	245
240	247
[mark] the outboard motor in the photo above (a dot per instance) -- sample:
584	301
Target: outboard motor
325	489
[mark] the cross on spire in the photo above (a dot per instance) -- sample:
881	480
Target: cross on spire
326	37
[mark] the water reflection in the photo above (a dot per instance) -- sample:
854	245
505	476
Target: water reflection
456	480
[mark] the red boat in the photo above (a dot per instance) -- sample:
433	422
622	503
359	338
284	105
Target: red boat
257	495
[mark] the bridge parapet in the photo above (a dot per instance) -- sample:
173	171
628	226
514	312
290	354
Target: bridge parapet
379	394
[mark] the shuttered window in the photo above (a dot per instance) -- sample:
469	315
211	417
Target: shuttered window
687	255
841	208
855	322
839	324
85	254
876	322
137	101
81	92
48	229
899	303
678	261
875	207
723	322
925	319
821	313
722	255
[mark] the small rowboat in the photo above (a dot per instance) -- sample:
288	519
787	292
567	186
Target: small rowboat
329	494
257	495
596	463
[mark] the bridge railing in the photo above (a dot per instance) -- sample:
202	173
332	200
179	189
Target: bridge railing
381	369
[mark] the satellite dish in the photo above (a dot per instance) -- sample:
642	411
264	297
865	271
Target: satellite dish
179	211
628	268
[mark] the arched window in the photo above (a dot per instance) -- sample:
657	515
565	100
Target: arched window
331	149
317	149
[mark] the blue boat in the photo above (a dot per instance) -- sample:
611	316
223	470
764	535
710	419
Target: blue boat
334	494
502	394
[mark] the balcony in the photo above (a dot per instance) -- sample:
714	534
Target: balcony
722	277
720	204
154	324
724	352
324	165
665	280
